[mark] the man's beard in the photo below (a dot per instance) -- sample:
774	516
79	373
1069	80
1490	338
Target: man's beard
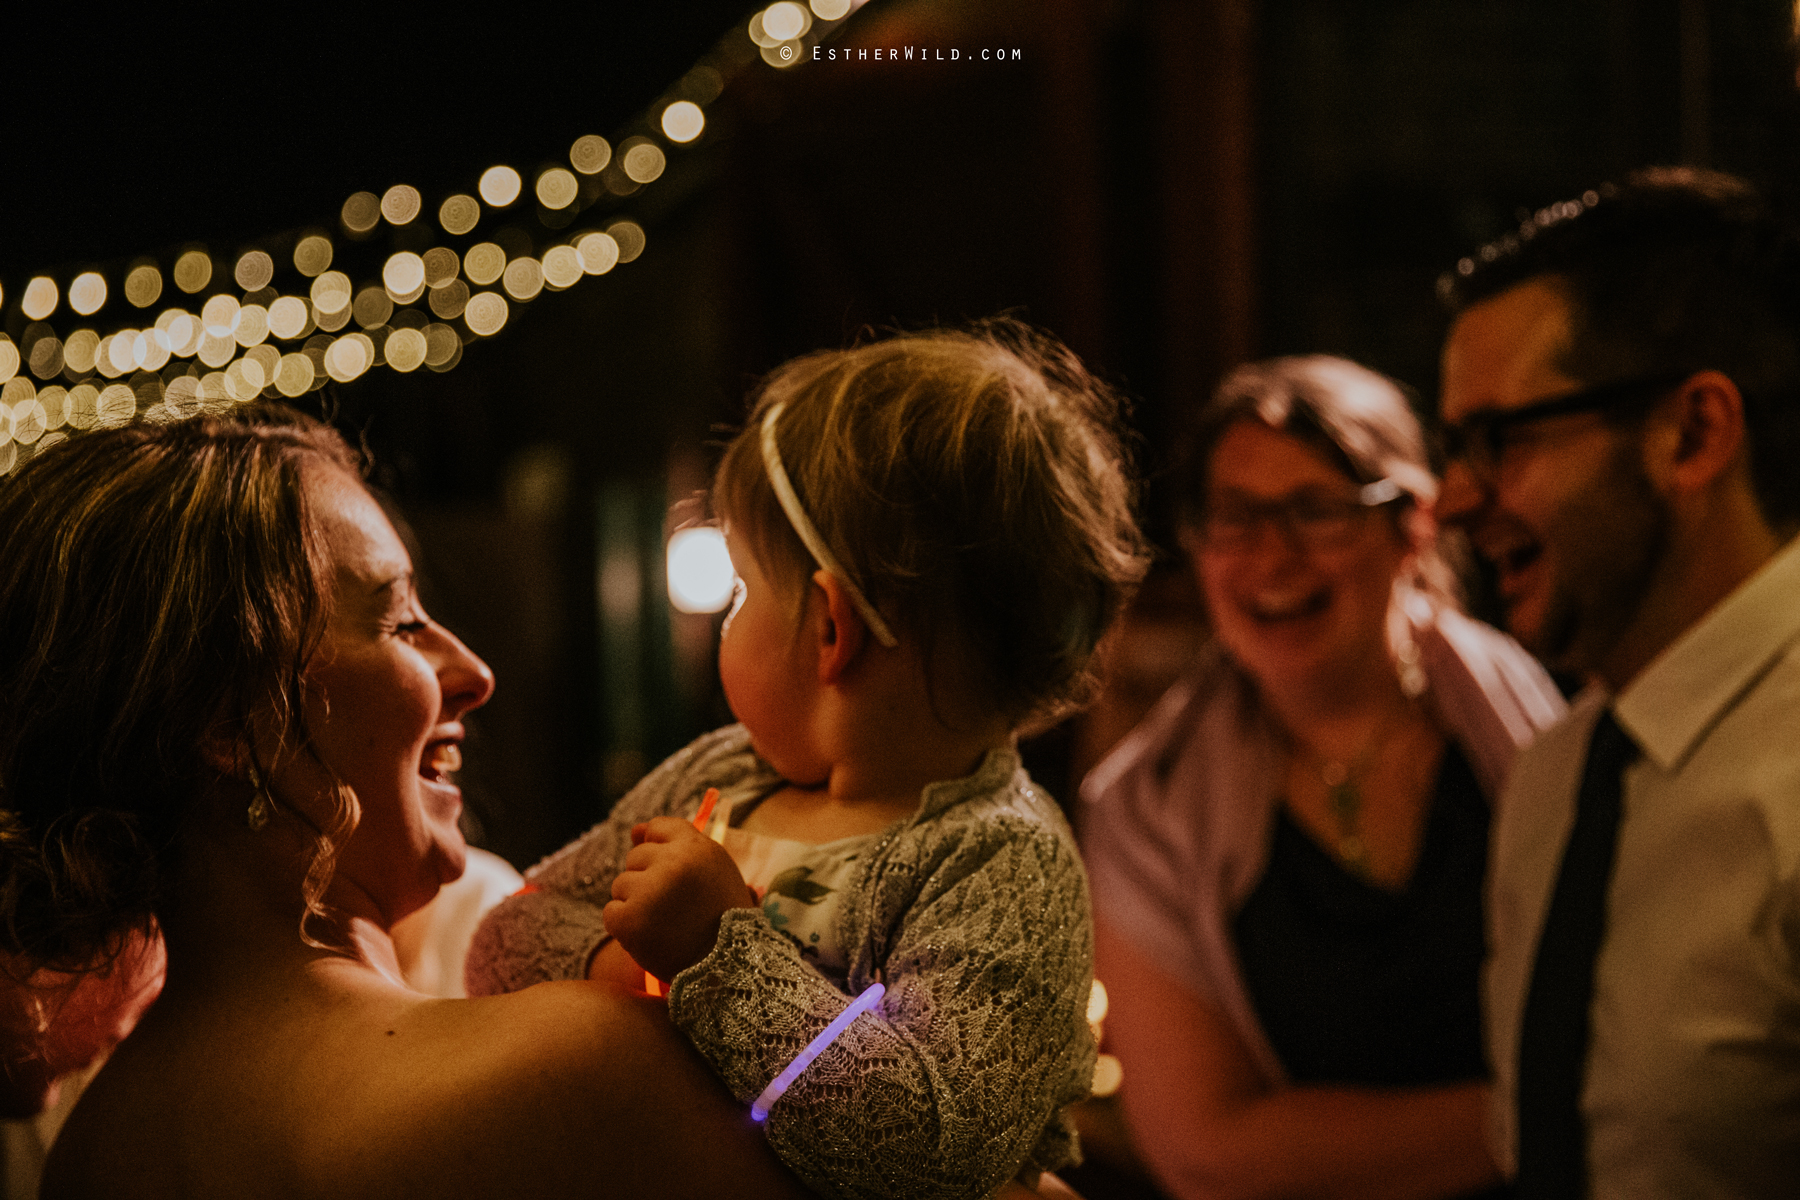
1613	541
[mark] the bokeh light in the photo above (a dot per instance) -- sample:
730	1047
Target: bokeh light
252	326
372	306
118	357
254	270
642	160
40	299
590	154
500	186
701	578
313	255
331	293
78	353
400	205
46	356
562	267
486	313
404	276
216	351
56	406
785	21
524	278
30	421
830	10
184	331
193	271
484	263
630	237
287	317
116	406
266	357
783	54
82	406
361	212
293	375
442	345
220	315
449	300
682	121
598	253
148	352
183	395
556	188
459	214
87	293
349	357
405	350
441	265
144	283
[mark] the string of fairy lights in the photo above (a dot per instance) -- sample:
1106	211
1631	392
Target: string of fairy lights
280	319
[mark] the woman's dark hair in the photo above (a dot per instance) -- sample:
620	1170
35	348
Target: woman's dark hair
161	591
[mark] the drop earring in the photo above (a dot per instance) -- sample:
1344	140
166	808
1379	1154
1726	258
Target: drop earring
262	805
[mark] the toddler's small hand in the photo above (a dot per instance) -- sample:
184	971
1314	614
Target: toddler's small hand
667	902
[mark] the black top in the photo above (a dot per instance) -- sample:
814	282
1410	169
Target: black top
1359	985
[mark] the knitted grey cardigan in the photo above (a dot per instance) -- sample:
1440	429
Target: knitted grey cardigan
973	911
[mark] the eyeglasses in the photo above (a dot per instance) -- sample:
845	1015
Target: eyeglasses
1479	440
1314	520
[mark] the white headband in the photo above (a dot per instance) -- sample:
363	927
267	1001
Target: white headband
790	504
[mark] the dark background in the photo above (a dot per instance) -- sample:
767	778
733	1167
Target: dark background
1172	186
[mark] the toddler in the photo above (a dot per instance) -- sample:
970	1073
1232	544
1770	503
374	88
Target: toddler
878	935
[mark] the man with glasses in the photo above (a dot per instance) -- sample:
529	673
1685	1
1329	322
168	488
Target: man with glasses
1621	407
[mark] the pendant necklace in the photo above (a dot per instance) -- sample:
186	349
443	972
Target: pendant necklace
1343	795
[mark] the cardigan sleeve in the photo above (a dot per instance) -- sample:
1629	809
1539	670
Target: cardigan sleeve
550	930
956	1080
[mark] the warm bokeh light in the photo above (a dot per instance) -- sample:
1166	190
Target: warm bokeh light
252	326
701	578
630	237
404	276
486	313
78	352
144	283
116	406
268	358
441	265
244	379
87	293
83	404
254	271
400	205
119	356
372	307
287	317
830	10
148	352
220	315
184	331
459	214
56	406
9	359
30	421
442	345
313	255
785	21
293	375
500	186
782	54
524	278
598	253
642	160
46	357
556	188
330	294
40	298
361	212
590	154
216	351
405	350
449	300
562	267
183	395
484	263
682	121
193	271
349	357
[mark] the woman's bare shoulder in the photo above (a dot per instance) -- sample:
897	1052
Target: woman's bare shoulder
565	1086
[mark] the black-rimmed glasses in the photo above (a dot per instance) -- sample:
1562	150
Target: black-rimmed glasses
1315	520
1479	440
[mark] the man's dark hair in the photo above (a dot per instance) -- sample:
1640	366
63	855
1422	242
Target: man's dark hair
1674	270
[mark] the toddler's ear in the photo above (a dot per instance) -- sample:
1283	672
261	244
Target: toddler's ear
840	630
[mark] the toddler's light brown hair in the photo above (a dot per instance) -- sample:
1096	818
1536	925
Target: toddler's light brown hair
974	485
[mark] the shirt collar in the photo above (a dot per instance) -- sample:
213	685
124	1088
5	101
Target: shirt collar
1679	696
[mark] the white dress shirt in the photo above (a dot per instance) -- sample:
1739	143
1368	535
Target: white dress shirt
1693	1078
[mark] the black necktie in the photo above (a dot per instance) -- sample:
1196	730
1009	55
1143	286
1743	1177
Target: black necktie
1553	1041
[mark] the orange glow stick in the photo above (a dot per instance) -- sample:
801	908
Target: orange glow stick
652	984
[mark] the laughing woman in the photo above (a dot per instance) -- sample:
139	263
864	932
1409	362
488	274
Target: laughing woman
224	712
1287	854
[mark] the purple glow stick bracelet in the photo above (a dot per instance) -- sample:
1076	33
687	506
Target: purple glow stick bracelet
759	1110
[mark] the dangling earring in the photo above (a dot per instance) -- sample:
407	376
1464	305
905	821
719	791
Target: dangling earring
262	805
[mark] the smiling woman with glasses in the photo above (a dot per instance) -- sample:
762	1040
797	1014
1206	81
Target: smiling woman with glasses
1287	854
